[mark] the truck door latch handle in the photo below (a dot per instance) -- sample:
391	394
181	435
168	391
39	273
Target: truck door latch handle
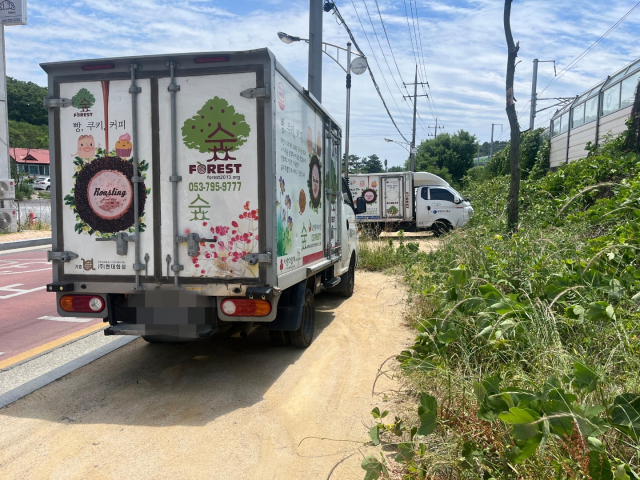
253	258
60	256
122	240
428	208
193	243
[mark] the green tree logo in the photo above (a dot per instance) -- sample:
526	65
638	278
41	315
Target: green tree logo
83	100
217	129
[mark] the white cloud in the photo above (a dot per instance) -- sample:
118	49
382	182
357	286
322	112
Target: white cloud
463	47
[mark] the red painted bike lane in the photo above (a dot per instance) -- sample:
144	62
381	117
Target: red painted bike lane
28	314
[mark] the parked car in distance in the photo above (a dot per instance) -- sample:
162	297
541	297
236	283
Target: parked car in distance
42	183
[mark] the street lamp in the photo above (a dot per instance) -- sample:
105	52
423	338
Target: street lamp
413	150
358	66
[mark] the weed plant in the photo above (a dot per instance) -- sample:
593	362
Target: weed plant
528	345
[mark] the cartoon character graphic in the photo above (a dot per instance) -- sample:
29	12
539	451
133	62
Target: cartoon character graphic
86	147
315	182
319	144
309	140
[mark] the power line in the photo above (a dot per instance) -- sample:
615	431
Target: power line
593	45
424	65
373	79
376	59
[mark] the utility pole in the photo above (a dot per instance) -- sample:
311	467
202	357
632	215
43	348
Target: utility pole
315	49
412	152
534	86
491	150
534	94
435	129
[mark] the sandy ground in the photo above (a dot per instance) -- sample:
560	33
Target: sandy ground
224	408
426	242
24	235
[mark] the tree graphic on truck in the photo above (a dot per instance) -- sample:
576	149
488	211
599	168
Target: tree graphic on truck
217	129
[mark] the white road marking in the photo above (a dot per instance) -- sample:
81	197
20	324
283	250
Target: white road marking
17	290
6	265
1	353
67	319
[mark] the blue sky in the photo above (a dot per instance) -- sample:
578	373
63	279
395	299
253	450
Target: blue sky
461	44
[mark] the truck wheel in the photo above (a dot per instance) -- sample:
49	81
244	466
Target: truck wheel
303	337
440	227
279	338
349	280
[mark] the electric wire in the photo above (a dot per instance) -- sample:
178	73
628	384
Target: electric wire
431	103
376	60
373	79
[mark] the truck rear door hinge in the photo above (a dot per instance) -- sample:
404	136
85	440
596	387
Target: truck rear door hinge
253	258
262	92
57	102
60	256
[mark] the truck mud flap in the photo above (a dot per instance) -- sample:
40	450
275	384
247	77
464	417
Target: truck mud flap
289	315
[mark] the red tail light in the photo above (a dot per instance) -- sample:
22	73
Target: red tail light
244	307
82	303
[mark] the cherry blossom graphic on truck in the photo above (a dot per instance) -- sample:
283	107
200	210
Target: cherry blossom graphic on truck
223	258
216	130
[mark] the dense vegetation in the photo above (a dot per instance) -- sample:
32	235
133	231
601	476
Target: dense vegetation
528	346
27	116
449	156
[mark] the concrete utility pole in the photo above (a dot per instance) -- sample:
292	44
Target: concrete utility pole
435	129
491	150
5	167
534	94
315	49
412	152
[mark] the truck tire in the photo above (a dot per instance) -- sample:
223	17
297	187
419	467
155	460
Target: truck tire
303	337
279	338
440	227
348	279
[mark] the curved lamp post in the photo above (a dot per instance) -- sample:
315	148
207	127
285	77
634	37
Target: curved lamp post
358	66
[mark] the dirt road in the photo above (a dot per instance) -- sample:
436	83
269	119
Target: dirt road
225	408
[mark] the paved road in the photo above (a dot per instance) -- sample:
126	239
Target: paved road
28	316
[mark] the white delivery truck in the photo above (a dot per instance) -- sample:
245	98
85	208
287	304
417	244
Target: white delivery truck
195	190
410	201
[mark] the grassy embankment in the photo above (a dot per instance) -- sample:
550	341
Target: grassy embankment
528	345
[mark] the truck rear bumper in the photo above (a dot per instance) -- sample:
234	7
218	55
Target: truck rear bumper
173	331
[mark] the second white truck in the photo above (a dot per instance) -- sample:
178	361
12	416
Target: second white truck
410	201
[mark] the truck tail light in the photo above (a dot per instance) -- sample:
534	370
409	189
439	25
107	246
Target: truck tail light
82	303
244	307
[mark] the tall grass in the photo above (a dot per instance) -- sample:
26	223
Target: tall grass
550	311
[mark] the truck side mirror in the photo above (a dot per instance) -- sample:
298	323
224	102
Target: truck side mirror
457	199
361	205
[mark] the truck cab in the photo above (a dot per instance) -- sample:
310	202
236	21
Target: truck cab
441	208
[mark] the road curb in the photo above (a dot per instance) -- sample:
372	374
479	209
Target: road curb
35	242
43	380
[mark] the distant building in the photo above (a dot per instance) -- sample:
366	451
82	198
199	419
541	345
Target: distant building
32	161
601	110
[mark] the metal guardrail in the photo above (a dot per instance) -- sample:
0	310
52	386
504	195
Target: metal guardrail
35	242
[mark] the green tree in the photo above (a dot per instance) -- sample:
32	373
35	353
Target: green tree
216	129
530	144
454	153
25	135
83	100
24	102
372	164
353	161
396	169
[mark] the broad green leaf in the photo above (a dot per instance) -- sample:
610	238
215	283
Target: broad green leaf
492	406
517	416
405	452
374	468
490	292
599	466
595	444
480	391
575	312
374	433
460	274
621	473
625	414
599	311
584	378
427	404
428	423
528	448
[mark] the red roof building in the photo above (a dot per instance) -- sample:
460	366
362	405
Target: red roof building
32	161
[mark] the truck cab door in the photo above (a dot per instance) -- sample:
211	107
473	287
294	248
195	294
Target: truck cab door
424	210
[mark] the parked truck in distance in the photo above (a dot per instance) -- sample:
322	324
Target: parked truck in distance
191	191
410	201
